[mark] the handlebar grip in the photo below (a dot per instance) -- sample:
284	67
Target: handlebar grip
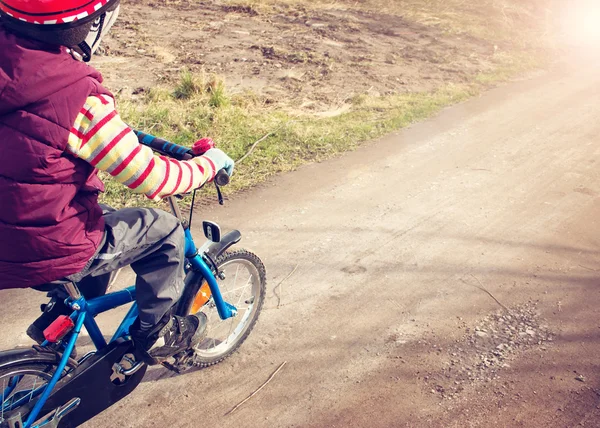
176	151
222	178
164	146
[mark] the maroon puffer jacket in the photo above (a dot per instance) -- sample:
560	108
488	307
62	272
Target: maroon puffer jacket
50	221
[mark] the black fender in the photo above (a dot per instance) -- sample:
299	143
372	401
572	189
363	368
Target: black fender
34	354
215	249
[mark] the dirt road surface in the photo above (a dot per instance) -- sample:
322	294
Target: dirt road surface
408	250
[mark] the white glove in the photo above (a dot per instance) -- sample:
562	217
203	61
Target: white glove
220	160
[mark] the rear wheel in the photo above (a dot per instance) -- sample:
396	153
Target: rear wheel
21	386
242	284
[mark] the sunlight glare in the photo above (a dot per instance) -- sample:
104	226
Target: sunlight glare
580	22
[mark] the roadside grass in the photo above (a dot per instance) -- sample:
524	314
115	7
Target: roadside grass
294	140
199	105
509	65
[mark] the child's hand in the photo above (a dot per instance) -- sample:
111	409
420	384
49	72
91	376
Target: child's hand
220	160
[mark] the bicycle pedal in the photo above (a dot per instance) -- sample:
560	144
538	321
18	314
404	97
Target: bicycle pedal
183	361
61	412
14	421
171	367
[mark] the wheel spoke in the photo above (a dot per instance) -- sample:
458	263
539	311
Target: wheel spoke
22	385
239	288
32	389
242	293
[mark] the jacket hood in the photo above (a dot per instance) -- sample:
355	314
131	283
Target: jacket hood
30	71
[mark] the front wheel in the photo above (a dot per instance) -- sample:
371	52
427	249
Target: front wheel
242	282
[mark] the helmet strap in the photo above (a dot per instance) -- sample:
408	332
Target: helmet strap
86	49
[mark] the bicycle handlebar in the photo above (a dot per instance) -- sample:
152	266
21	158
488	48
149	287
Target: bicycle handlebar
222	178
177	152
165	147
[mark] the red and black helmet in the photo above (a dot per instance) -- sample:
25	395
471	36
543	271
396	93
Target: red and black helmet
52	12
64	22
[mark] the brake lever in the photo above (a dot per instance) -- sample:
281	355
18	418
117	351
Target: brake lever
219	193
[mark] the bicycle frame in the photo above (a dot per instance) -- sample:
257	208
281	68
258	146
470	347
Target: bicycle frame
84	312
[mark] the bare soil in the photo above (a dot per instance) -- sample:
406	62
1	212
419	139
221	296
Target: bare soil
296	57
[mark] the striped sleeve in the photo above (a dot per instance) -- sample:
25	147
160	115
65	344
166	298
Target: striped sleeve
100	137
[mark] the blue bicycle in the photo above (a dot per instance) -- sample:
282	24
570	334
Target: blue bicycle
44	387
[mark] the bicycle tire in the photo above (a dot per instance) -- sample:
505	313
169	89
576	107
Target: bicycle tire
204	357
32	367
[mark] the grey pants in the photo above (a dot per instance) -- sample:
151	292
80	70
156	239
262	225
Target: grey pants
152	242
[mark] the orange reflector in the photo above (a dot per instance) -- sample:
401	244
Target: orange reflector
202	297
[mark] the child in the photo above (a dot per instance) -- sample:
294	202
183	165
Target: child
58	127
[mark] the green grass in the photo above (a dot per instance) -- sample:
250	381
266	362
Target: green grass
236	123
509	65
